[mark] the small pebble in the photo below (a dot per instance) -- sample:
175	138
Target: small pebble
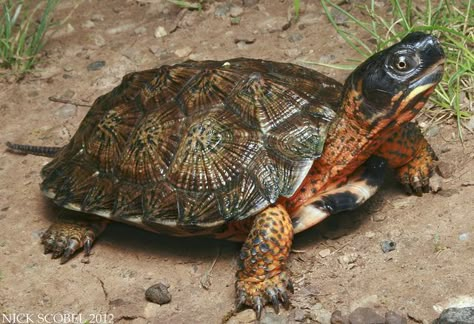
454	315
464	236
445	169
295	37
140	30
249	3
470	123
348	258
337	318
66	111
369	234
95	66
98	40
88	24
324	253
364	315
246	38
223	9
234	21
158	294
183	52
394	318
272	318
388	246
97	17
236	11
160	31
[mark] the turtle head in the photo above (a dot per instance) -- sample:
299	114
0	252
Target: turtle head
390	87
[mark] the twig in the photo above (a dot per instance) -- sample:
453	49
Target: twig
68	101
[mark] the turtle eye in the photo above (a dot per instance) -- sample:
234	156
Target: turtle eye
403	63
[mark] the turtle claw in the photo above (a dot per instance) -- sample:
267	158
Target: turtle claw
257	294
64	239
258	307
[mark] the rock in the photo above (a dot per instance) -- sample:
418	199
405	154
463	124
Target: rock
246	38
364	315
98	40
308	20
272	25
234	21
222	9
158	294
236	11
140	30
88	24
348	258
272	318
388	245
183	52
432	131
324	253
369	234
448	192
337	318
295	37
470	123
95	66
464	236
97	17
160	31
436	183
120	29
299	315
319	314
394	318
445	169
249	3
338	16
454	315
325	59
245	316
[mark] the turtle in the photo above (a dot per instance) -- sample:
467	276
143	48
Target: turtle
243	149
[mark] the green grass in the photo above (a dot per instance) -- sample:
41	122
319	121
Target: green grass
187	4
450	20
22	32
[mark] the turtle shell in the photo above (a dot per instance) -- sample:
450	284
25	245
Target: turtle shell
195	145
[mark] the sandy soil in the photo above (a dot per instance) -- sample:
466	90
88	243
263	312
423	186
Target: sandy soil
430	267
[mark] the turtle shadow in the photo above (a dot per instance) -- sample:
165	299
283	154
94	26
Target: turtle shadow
201	248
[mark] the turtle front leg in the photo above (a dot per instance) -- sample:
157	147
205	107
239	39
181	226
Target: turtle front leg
412	157
63	238
262	277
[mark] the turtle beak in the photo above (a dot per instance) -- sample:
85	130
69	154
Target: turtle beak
432	55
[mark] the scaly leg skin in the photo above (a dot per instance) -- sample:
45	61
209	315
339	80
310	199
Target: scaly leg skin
64	238
262	276
413	159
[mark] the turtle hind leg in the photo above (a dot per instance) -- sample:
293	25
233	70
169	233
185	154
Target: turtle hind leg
64	238
262	277
48	151
343	196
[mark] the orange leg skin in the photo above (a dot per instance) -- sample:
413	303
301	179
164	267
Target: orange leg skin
409	153
262	276
64	238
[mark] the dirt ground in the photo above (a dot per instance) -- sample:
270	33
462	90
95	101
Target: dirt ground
338	265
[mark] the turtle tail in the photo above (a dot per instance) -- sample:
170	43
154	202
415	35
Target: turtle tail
49	151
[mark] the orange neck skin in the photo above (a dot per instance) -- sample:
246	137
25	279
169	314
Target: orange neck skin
349	144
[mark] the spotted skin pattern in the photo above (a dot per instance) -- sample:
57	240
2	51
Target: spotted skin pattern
262	276
408	152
